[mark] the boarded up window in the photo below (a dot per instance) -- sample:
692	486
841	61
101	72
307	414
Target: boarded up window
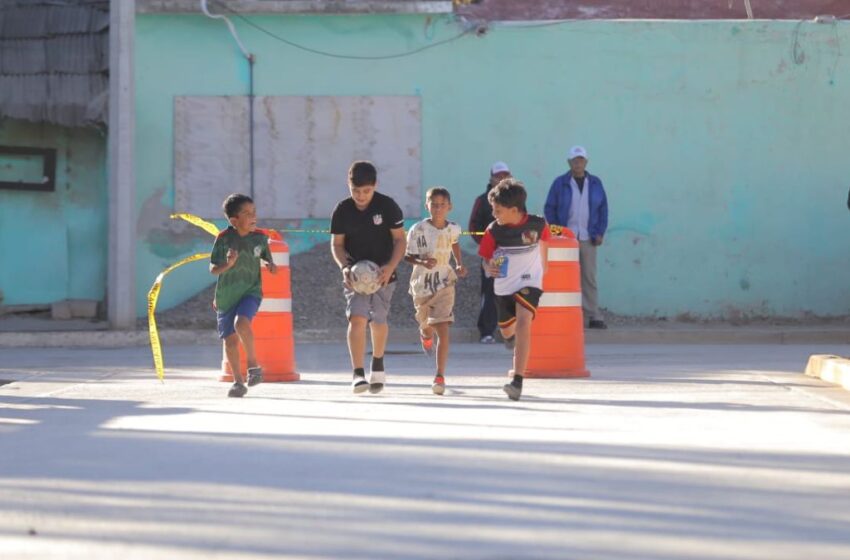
303	147
29	169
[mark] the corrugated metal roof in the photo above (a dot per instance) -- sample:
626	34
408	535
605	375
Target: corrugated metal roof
54	60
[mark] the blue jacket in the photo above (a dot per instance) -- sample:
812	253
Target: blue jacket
557	209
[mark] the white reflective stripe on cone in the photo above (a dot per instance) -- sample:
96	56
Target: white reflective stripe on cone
280	258
563	254
560	299
276	305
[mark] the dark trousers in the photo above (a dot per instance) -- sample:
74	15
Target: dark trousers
487	313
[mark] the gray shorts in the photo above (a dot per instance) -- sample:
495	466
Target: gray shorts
374	307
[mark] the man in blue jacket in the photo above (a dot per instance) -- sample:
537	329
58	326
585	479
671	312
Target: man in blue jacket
577	200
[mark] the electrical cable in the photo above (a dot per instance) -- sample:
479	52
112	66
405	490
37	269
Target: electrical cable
337	55
250	58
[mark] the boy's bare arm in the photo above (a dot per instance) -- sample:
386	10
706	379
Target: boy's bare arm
427	262
341	257
399	248
338	251
421	260
459	268
232	257
491	269
544	255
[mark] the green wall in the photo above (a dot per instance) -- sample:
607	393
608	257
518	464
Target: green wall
53	245
722	144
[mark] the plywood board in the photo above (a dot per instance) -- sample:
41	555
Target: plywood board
210	152
303	147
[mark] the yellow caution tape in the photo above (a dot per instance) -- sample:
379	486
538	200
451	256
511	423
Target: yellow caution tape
153	296
213	230
554	229
208	227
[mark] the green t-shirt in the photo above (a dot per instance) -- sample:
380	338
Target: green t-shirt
244	278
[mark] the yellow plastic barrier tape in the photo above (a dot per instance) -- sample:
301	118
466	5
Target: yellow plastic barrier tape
208	227
554	229
153	296
213	230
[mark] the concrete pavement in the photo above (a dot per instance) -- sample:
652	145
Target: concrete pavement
666	452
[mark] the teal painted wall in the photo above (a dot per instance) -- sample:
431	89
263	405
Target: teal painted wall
54	244
721	143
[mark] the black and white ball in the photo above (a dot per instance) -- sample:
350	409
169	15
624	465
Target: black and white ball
364	277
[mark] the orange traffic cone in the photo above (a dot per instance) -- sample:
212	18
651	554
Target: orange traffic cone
557	332
273	337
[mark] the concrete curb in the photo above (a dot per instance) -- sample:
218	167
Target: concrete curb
616	335
832	369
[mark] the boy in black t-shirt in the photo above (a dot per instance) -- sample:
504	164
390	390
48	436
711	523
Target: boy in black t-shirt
367	225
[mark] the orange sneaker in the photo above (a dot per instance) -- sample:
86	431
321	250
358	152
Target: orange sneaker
427	345
439	385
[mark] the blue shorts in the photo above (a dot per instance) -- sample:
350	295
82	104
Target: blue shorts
247	307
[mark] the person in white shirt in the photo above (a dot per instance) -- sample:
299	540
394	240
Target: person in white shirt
431	245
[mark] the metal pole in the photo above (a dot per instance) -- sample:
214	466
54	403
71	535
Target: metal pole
121	264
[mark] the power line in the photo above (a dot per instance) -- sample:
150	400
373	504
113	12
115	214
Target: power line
337	55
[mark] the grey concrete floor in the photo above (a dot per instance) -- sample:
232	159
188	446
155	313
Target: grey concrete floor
665	452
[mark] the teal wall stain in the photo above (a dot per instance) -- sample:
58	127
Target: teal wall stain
723	157
54	244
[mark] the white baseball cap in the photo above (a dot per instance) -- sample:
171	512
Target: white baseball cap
499	167
577	151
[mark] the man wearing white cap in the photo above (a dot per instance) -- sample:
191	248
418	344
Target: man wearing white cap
577	200
479	219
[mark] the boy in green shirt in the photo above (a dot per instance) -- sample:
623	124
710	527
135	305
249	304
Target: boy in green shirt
235	259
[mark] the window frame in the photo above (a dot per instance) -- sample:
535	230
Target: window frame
48	170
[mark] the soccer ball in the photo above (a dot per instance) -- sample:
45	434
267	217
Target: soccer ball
364	277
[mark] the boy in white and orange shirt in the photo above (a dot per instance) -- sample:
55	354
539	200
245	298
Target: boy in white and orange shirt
514	250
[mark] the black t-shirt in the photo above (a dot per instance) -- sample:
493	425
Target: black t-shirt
367	232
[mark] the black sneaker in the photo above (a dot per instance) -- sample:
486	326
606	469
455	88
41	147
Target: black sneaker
510	343
359	384
597	324
514	388
255	376
237	390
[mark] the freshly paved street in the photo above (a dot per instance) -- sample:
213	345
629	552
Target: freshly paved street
665	452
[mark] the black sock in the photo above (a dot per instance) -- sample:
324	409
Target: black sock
377	363
517	381
359	372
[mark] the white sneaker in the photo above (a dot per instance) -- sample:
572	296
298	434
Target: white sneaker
376	381
359	384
